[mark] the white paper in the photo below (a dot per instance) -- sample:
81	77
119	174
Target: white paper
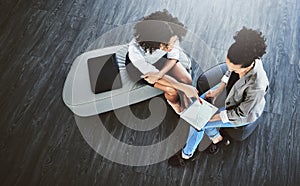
198	114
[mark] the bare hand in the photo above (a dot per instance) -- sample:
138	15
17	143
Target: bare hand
152	77
190	92
212	94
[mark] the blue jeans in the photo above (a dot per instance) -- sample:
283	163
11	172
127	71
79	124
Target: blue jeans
211	129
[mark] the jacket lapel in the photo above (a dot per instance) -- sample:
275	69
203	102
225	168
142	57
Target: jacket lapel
241	82
236	86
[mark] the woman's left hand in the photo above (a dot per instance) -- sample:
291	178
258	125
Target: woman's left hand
152	77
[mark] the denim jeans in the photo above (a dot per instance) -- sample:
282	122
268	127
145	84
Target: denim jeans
211	129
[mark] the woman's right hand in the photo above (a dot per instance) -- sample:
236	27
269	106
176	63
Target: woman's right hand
190	91
213	94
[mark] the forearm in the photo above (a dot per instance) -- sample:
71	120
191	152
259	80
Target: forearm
145	68
221	87
188	90
173	83
215	118
169	81
167	67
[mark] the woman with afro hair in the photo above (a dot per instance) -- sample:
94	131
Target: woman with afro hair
246	84
154	52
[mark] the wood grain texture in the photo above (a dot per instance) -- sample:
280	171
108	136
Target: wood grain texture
40	143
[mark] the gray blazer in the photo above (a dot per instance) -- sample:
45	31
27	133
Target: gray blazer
245	101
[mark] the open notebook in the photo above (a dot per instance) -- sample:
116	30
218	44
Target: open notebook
198	114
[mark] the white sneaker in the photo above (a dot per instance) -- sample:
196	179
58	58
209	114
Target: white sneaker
186	157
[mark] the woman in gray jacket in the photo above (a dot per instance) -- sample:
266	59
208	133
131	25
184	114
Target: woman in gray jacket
246	83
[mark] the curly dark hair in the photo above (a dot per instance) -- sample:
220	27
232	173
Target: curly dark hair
158	28
249	45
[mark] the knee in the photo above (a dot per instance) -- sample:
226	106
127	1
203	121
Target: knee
171	91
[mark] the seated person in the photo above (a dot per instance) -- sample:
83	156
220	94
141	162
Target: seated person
154	52
246	83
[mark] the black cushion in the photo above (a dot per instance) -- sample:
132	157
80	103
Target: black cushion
211	77
239	133
104	73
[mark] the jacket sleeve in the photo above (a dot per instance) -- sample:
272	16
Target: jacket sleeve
226	76
249	109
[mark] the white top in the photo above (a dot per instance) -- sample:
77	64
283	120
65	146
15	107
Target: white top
144	60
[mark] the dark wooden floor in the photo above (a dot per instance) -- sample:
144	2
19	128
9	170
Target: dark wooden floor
40	143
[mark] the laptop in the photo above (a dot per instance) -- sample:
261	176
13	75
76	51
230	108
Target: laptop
198	114
104	73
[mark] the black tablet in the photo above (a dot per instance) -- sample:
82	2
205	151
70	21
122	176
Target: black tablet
104	73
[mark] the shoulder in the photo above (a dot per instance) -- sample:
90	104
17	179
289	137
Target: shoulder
259	77
174	53
134	46
134	50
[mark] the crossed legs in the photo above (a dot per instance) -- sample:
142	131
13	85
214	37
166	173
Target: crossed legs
170	93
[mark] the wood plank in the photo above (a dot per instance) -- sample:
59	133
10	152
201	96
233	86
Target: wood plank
40	143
